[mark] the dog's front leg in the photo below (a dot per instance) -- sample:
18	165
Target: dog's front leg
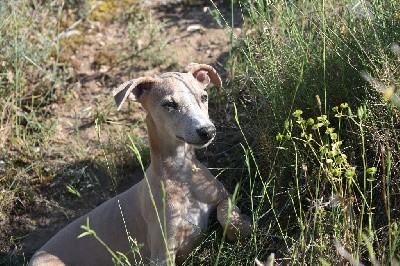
160	255
232	220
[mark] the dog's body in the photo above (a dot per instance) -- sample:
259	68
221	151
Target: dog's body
184	191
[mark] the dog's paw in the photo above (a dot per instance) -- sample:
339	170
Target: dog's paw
240	226
246	225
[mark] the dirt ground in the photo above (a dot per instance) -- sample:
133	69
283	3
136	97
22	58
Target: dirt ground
179	33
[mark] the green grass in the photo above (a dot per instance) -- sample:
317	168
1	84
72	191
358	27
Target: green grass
320	143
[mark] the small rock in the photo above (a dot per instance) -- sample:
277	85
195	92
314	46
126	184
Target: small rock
69	33
75	94
104	68
2	166
195	27
54	106
139	45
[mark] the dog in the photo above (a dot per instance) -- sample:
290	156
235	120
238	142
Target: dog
168	211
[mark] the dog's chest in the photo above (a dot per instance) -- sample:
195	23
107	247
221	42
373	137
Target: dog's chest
191	212
197	214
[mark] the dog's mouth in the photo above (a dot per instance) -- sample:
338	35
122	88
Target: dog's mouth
197	145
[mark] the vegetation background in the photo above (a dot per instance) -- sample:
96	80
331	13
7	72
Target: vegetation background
308	122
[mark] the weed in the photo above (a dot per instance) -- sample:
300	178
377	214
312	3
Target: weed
145	35
320	169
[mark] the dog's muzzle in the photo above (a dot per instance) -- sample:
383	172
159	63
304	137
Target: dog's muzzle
204	136
206	133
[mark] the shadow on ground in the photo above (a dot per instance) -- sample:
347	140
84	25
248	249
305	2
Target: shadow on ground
76	189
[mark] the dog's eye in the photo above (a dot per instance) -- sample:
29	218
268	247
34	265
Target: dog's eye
204	98
170	105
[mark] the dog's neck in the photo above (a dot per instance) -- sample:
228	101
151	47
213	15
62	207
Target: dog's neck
170	158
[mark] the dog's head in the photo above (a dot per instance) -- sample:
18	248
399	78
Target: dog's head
177	102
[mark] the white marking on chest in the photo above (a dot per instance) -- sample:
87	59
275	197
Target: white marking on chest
198	214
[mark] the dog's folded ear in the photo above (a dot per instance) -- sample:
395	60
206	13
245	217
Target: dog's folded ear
204	74
132	89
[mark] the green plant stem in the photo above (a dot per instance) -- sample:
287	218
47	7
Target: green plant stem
139	157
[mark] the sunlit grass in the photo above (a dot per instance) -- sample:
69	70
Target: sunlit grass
312	79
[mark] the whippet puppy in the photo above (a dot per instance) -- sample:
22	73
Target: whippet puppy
168	211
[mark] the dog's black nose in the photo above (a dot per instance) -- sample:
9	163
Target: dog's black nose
206	133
